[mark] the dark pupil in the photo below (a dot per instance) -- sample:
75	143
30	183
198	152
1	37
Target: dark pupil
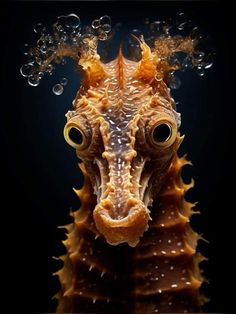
161	133
76	136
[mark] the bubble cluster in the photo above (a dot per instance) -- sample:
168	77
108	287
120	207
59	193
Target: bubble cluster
66	38
187	48
177	42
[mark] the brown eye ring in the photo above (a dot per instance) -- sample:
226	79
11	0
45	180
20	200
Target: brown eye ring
163	133
74	136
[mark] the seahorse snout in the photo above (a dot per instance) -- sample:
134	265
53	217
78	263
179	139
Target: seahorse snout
121	228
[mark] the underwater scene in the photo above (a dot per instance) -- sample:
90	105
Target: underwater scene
118	136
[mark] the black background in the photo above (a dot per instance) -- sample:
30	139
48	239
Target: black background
40	169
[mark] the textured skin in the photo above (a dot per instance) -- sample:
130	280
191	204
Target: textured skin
130	248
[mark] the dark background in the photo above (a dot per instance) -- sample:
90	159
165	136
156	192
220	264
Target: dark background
40	168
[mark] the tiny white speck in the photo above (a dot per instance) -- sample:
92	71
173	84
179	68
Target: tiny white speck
94	300
159	240
159	290
162	275
156	278
169	241
163	252
169	217
174	285
156	311
173	251
155	253
183	278
163	211
179	243
182	250
83	259
156	267
172	213
162	225
184	271
80	293
108	300
171	267
188	283
170	303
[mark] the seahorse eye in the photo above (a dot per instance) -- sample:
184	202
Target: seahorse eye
162	133
76	136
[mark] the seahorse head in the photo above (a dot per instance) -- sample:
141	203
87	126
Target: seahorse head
124	128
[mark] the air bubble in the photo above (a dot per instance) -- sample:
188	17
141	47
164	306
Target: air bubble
102	35
72	20
207	61
25	49
200	71
106	28
105	19
181	21
50	69
43	49
198	55
39	29
155	27
95	24
195	34
26	69
64	81
33	80
175	82
186	64
58	89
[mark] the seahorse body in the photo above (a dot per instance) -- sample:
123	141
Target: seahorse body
130	248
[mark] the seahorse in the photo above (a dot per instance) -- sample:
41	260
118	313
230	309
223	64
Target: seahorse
130	247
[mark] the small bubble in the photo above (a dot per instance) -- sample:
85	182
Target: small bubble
155	27
186	64
200	71
43	49
181	21
106	28
105	19
102	35
50	69
95	24
64	81
58	89
207	61
33	80
26	69
25	49
39	28
174	82
198	55
195	34
72	20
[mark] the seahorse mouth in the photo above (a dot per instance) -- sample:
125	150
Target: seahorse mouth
122	229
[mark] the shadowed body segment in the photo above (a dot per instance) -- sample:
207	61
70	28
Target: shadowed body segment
130	248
